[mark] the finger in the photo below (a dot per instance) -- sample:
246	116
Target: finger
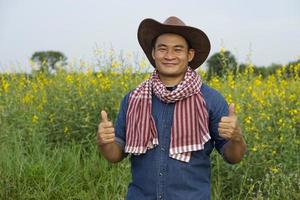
225	136
104	137
227	125
104	116
106	125
231	110
107	130
107	136
107	141
225	131
228	119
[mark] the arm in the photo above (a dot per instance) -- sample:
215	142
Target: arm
229	129
111	152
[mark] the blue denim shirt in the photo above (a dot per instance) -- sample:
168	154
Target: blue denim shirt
157	176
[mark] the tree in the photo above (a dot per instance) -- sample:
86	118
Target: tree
48	60
291	68
219	63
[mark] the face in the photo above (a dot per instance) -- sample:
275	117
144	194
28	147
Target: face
172	55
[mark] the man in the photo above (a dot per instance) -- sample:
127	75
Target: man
171	122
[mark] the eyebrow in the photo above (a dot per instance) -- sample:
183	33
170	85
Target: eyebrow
179	46
161	45
176	46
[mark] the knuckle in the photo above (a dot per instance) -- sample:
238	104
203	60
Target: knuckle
100	126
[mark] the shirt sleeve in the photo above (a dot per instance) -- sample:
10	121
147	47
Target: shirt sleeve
218	108
120	124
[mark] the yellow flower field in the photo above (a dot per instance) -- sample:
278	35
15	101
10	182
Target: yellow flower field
48	124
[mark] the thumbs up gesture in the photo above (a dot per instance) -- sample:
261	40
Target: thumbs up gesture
106	131
229	127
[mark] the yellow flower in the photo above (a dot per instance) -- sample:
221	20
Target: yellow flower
143	63
105	84
293	111
27	99
248	120
51	118
35	119
93	82
66	129
274	169
216	83
5	86
281	139
228	98
99	75
237	108
269	128
222	50
69	78
114	74
34	87
114	64
257	82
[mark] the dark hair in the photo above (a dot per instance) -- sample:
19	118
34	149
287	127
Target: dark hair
154	41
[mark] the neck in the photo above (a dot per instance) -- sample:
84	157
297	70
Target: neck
170	81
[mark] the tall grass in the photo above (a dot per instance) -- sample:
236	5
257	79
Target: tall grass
48	124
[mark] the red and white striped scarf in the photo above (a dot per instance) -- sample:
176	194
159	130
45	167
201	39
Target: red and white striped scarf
189	130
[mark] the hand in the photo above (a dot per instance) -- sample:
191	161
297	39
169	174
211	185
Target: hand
229	127
106	131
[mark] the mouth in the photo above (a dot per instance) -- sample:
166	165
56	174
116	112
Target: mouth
169	64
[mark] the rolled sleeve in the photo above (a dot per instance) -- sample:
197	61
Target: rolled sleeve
217	108
120	124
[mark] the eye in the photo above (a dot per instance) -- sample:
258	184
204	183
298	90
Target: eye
162	49
178	50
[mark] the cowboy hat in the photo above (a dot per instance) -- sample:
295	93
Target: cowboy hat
149	29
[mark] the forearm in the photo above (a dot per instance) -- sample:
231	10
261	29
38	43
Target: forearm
112	152
234	150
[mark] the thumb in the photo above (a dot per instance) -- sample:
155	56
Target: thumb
231	110
104	116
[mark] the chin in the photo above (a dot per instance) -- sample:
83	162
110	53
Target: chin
170	74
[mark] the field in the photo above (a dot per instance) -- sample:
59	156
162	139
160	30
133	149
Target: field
48	124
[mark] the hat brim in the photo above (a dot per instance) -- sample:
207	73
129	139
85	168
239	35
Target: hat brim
149	29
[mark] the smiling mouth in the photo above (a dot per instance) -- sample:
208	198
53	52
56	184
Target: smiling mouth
170	64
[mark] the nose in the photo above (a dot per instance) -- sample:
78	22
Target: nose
169	55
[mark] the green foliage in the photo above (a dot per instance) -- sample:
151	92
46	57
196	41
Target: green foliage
224	62
47	60
219	63
48	125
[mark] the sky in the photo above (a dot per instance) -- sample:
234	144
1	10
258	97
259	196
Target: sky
260	31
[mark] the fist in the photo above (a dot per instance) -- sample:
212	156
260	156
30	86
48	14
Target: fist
229	127
106	131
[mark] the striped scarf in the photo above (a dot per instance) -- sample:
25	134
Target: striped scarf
189	130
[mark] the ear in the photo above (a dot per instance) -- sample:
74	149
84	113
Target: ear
191	54
153	55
